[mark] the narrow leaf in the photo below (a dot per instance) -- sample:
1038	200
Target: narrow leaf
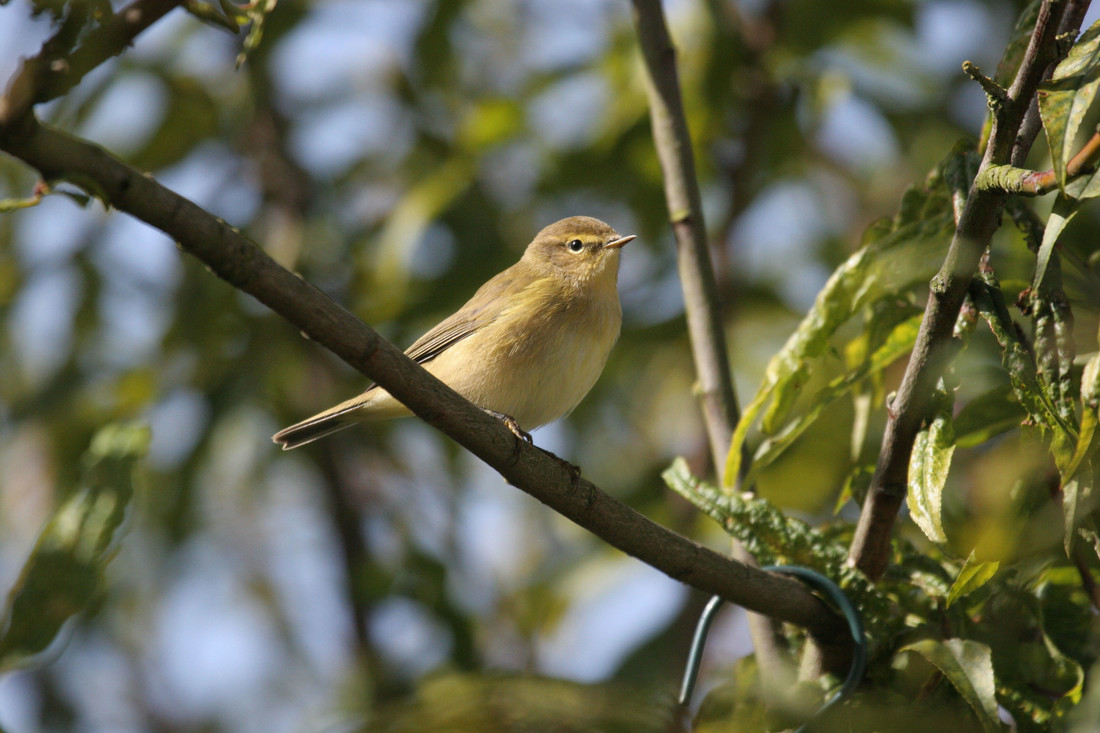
895	256
987	416
898	343
974	575
1021	370
66	566
1064	210
1078	477
968	665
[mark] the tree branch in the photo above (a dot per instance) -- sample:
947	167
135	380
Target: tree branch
231	256
1010	179
980	218
702	304
52	72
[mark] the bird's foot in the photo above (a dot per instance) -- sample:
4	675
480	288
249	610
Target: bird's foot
511	424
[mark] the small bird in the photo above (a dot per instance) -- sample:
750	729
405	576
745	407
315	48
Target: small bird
526	348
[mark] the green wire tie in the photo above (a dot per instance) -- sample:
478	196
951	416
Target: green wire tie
818	582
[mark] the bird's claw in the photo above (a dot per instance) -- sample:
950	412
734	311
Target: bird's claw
511	424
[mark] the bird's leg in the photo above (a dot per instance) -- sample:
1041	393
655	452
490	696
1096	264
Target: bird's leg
511	424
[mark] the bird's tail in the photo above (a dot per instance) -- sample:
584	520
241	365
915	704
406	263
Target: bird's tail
320	425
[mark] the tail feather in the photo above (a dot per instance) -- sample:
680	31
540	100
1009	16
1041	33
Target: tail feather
318	426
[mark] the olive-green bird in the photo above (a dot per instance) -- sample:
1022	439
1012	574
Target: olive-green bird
527	347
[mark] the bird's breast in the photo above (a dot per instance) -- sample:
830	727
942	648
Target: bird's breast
539	358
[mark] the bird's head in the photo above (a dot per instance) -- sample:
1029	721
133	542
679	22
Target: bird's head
580	249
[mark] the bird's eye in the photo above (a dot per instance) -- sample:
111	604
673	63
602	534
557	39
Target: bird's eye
576	245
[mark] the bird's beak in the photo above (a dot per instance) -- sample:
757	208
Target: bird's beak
616	243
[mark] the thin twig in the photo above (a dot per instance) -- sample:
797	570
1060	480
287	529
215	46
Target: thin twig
870	550
702	305
237	260
1009	179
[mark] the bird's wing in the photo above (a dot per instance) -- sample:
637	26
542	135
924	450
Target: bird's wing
491	300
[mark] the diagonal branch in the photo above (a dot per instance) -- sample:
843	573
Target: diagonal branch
978	221
234	258
49	74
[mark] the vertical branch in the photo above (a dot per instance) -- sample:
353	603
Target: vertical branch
978	221
673	144
701	301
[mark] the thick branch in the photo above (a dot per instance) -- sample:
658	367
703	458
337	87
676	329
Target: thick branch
980	217
234	258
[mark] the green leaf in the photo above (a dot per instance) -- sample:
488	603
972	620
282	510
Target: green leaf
974	575
897	344
929	464
1064	210
773	538
420	205
1064	101
66	566
987	416
896	255
1078	478
191	116
1022	374
968	665
1017	45
7	205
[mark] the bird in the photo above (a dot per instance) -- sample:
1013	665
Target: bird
526	348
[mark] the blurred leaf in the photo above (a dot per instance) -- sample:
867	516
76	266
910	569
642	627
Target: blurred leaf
7	205
987	416
929	464
65	569
895	255
1083	718
491	122
222	15
734	705
417	209
974	575
503	703
1017	45
191	116
1064	101
968	665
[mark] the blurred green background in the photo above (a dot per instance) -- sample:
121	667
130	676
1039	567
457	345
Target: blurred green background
398	154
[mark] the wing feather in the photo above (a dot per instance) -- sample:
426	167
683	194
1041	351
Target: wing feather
488	303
